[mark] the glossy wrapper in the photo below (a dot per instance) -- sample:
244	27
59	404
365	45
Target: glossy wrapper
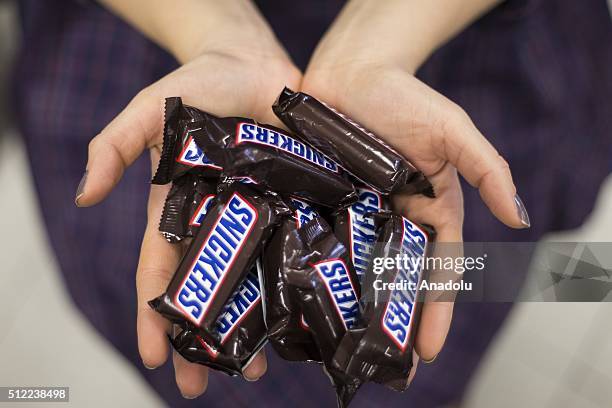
186	204
356	149
180	155
288	332
380	348
355	227
321	274
241	328
276	161
231	237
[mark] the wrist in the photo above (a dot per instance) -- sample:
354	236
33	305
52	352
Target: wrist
402	33
233	27
187	28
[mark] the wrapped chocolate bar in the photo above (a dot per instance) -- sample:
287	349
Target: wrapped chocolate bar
186	205
180	154
287	331
380	348
355	227
323	279
187	202
273	159
231	237
356	149
241	329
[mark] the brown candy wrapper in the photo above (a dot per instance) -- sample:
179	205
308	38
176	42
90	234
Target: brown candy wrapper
356	149
287	330
180	154
231	237
323	279
241	328
275	160
380	348
355	227
186	205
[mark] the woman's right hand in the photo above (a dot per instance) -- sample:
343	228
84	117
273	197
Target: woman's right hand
238	79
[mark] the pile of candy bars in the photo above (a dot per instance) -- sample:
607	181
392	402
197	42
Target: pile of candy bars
281	230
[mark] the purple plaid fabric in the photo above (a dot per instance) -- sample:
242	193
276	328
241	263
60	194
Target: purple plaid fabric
534	76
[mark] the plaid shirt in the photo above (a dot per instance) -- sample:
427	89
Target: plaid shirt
535	77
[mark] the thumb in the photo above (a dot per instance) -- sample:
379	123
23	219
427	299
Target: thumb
119	144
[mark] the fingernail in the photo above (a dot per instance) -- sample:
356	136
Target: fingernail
251	379
190	397
80	188
430	360
522	211
148	367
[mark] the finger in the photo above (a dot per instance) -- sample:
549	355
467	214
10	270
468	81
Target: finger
435	323
437	308
191	378
138	126
158	262
446	215
256	368
484	168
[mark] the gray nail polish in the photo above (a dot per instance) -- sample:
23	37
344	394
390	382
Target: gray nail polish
430	360
80	188
522	211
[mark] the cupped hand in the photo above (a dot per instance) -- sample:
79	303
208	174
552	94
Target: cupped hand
439	138
236	83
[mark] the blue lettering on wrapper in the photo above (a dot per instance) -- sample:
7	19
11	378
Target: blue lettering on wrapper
335	276
215	257
193	156
363	229
397	318
198	216
303	212
252	133
240	305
